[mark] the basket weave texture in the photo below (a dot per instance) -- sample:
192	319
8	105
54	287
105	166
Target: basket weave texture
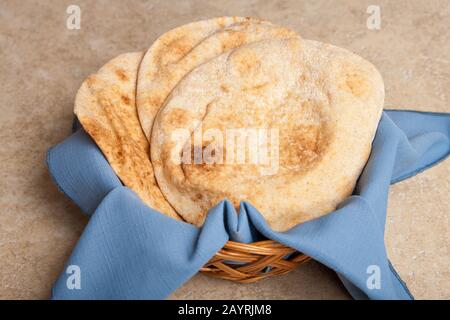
248	263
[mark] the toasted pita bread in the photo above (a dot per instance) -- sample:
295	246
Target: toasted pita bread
105	106
180	50
325	103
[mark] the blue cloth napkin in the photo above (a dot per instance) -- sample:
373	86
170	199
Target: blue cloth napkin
130	251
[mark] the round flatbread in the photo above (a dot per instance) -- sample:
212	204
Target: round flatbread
317	106
180	50
105	106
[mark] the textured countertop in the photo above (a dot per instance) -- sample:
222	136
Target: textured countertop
43	63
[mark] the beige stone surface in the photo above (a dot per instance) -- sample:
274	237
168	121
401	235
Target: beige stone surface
43	64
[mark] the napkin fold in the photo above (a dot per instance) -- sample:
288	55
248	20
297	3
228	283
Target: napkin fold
130	251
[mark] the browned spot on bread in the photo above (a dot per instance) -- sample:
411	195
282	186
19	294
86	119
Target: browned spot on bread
257	88
155	100
355	81
121	74
301	149
235	39
179	46
125	99
90	80
246	62
198	196
178	116
221	22
176	46
357	84
284	32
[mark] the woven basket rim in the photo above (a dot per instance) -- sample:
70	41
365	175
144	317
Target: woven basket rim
251	262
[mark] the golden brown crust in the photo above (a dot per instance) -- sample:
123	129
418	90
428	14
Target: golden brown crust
105	106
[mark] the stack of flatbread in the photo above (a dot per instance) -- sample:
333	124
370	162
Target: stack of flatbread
240	109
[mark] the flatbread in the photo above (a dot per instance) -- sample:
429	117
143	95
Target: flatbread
105	106
180	50
324	102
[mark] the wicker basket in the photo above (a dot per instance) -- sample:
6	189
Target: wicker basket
247	263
